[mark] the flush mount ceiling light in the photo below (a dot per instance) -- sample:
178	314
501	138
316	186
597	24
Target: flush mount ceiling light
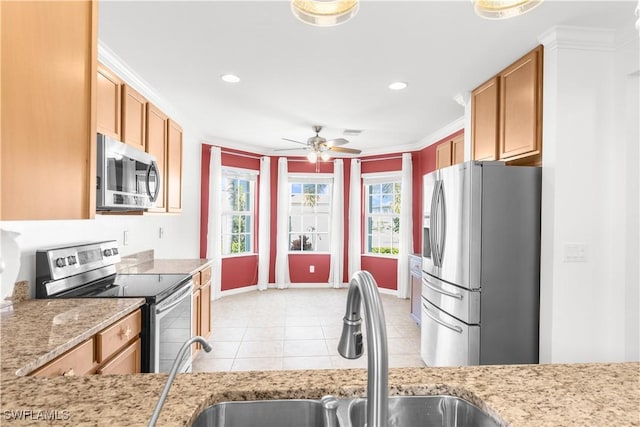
398	85
324	13
503	9
230	78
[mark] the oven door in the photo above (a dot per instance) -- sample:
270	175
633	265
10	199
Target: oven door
171	327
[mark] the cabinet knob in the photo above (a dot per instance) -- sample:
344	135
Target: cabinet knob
68	373
126	333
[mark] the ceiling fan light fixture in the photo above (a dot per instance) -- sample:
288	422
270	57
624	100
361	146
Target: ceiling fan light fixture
312	157
325	156
398	85
324	13
503	9
230	78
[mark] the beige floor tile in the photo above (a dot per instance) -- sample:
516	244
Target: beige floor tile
202	364
222	350
405	361
303	333
305	348
332	331
258	364
403	346
270	333
227	334
338	362
260	349
314	362
302	321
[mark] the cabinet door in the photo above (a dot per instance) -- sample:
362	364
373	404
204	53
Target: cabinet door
109	103
458	149
157	127
484	121
443	155
174	168
195	321
125	362
77	361
48	73
521	107
205	310
133	117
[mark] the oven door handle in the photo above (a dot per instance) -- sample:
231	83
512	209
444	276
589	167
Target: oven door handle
185	294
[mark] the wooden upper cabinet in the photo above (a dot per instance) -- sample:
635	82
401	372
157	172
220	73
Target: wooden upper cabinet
134	110
109	103
443	155
157	129
48	78
457	150
521	107
484	121
174	167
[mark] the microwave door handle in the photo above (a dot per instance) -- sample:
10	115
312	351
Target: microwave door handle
153	167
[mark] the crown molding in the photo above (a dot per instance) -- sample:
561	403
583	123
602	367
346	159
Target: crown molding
441	133
579	38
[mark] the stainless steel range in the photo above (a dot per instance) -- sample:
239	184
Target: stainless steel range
89	271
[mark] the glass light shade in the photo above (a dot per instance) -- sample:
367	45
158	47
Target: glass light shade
312	156
503	9
324	13
325	156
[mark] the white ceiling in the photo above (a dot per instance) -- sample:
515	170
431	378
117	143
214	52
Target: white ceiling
295	75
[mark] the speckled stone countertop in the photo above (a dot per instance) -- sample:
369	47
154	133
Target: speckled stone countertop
521	396
35	332
164	266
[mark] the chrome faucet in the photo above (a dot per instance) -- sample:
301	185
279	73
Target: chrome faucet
172	375
363	288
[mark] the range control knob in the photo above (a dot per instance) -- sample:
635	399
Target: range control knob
61	262
114	251
107	252
71	259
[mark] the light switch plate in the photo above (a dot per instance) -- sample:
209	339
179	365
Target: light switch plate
575	252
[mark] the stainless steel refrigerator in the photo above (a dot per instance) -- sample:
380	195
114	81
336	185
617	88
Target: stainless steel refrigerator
481	264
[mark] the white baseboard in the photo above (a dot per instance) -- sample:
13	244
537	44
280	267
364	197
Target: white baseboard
252	288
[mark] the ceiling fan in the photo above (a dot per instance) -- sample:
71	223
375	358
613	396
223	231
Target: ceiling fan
320	147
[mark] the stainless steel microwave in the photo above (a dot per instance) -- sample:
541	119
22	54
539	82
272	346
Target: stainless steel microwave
127	178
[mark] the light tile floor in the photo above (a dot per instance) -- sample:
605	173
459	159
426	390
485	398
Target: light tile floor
297	329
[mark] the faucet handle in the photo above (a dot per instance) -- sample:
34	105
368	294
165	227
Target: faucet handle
350	345
330	411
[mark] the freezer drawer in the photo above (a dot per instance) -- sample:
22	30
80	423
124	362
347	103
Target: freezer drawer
458	302
446	341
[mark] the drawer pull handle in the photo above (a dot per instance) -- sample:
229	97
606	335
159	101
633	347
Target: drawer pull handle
126	333
68	373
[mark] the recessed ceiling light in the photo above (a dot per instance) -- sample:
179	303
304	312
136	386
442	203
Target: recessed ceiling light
398	85
230	78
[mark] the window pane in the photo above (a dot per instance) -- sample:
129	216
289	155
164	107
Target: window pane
322	242
295	223
375	188
322	222
296	188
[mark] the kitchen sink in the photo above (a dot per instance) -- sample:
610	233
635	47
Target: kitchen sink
417	411
263	413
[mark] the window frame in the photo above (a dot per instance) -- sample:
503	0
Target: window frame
251	176
369	179
307	178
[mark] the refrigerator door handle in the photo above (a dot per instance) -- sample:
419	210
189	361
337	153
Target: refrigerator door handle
432	224
442	219
454	328
433	287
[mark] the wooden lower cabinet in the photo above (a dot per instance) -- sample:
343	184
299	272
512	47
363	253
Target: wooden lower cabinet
126	362
201	306
114	350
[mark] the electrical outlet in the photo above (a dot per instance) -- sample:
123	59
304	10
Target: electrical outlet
575	252
312	269
125	238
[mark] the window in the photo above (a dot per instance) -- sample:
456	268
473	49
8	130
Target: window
382	211
238	201
309	208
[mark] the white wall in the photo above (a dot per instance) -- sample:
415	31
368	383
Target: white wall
587	308
181	231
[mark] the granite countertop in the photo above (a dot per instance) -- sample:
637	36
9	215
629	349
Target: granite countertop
164	266
35	332
520	396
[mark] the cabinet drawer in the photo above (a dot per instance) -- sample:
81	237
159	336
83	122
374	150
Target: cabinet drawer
196	280
77	361
205	274
116	336
126	362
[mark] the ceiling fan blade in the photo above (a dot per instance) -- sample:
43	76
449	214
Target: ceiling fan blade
334	142
291	149
345	150
297	142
